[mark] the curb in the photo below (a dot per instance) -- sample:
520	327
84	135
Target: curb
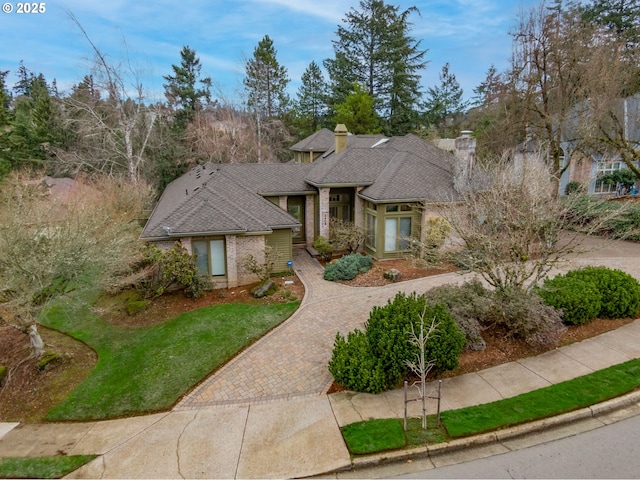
602	409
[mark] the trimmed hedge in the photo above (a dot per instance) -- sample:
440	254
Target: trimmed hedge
375	360
347	267
592	292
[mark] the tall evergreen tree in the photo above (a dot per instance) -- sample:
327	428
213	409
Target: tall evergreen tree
489	90
622	17
445	104
374	49
357	112
266	81
185	90
5	122
311	101
36	123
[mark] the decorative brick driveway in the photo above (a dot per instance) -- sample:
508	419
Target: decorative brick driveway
291	360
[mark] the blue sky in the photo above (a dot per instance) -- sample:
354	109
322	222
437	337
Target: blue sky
146	37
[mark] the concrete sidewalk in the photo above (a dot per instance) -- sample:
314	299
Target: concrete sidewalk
284	426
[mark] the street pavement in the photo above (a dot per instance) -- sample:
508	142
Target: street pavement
266	415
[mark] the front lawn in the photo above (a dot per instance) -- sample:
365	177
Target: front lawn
146	369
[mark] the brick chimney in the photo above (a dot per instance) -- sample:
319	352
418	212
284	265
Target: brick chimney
465	154
341	137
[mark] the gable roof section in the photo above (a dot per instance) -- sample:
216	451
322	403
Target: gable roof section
398	168
270	178
321	141
207	201
353	166
408	178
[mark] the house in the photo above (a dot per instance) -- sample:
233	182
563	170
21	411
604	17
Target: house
587	166
224	212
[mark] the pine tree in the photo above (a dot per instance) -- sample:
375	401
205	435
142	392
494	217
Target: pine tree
266	82
621	17
311	106
36	127
357	112
489	90
374	49
5	122
445	103
182	88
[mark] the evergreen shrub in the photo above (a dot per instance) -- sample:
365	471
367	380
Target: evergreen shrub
620	291
352	365
347	267
591	292
375	360
578	300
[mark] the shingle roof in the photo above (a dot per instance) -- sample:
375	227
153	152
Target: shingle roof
209	201
321	141
271	178
396	168
215	199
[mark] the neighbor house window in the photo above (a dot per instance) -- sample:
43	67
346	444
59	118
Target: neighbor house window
210	256
397	232
606	168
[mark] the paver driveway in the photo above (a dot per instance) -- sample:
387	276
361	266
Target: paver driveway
291	360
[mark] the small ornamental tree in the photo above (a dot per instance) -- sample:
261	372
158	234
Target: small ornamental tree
262	267
172	268
346	235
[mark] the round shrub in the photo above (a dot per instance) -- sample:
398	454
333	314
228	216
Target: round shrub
620	291
469	304
347	267
388	330
375	360
524	315
579	300
352	365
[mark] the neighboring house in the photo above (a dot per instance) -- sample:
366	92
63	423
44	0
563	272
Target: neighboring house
588	169
224	212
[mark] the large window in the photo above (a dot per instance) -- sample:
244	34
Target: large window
397	232
371	230
606	168
340	206
210	257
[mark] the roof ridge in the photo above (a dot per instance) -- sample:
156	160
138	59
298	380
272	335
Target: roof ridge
392	166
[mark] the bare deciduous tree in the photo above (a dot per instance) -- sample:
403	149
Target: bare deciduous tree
549	63
53	243
422	365
114	131
515	231
608	122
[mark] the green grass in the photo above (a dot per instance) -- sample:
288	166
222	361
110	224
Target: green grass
378	435
553	400
148	369
374	435
42	467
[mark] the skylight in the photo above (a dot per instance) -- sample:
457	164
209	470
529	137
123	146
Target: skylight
380	142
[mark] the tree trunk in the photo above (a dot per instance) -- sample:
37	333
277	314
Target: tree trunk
37	344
